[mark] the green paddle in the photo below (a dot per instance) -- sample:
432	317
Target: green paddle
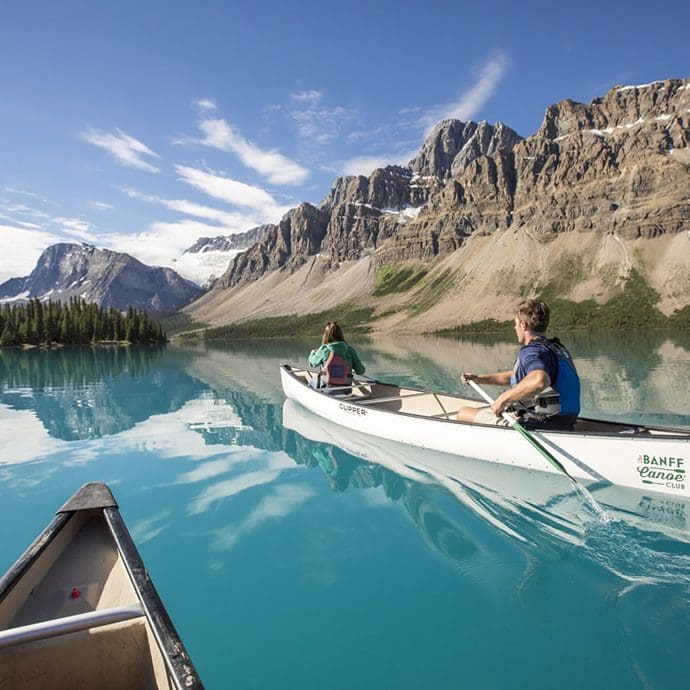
603	515
516	425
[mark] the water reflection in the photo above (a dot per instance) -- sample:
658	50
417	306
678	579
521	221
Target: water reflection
244	378
646	542
201	402
210	463
85	393
88	393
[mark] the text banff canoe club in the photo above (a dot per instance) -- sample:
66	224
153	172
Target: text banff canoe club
664	469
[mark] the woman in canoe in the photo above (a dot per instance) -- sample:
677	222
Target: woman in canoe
337	359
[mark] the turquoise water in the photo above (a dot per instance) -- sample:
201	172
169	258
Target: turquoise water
291	555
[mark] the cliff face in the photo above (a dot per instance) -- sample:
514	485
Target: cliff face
108	278
361	213
616	168
618	165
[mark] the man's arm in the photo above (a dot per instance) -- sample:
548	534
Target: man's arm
499	378
535	381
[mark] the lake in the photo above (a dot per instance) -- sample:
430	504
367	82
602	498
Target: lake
291	556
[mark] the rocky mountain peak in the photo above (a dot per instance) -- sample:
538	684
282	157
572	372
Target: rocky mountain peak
111	279
452	145
618	165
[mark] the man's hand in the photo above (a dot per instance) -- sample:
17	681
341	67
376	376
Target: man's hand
466	377
500	404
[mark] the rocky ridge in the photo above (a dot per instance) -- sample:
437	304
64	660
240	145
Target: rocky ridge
226	243
361	212
110	279
616	169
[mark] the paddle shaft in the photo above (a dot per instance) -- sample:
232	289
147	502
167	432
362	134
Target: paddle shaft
526	434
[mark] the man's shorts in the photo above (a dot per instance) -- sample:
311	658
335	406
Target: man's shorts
484	415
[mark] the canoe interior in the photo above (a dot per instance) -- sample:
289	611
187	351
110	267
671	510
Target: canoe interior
84	555
412	401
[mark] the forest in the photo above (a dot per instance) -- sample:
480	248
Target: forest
74	323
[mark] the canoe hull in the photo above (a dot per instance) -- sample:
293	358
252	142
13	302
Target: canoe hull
652	462
500	485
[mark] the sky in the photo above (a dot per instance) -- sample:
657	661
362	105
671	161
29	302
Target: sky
142	126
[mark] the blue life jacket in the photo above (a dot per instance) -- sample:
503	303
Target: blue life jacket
562	397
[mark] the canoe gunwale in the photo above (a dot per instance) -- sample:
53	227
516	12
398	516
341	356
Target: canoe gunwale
169	641
22	565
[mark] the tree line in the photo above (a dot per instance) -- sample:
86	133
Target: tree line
74	323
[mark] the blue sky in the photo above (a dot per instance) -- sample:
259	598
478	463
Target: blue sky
140	126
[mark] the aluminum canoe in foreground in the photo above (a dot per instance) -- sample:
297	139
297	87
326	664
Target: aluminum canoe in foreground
651	458
78	609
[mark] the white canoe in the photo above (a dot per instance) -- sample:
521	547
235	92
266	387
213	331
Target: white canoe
78	609
490	489
652	458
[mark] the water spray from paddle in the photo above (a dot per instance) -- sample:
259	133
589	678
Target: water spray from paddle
515	424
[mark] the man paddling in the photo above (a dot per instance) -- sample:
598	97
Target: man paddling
544	386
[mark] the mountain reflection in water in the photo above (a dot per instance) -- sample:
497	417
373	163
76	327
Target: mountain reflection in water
85	393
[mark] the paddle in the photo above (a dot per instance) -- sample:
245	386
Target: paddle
516	425
603	515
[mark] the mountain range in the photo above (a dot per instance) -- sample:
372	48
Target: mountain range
479	218
482	217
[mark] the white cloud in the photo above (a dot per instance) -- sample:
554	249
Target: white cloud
316	122
21	223
468	104
276	463
149	528
27	232
279	503
161	243
233	192
76	228
22	192
125	149
274	166
206	104
23	438
229	222
364	165
24	211
20	249
100	206
310	97
473	99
